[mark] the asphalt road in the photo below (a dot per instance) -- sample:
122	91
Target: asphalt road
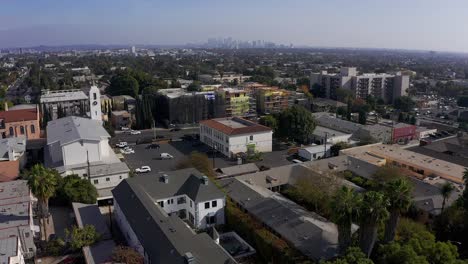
149	134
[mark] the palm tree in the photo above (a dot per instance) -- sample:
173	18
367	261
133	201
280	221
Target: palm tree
372	211
445	191
43	183
344	211
398	193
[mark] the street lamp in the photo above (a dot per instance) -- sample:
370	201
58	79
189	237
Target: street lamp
214	148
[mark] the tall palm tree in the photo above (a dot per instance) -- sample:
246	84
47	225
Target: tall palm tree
398	193
446	189
372	211
43	183
344	211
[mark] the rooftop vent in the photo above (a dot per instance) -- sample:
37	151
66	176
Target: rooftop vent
165	178
205	180
189	258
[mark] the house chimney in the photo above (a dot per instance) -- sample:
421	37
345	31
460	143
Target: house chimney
205	180
189	258
165	178
6	106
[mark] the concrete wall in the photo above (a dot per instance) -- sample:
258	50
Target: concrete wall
126	229
203	213
262	141
75	153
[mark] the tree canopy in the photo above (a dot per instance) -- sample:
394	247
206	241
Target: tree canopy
296	123
404	104
123	84
81	237
75	189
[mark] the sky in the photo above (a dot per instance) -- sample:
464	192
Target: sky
440	25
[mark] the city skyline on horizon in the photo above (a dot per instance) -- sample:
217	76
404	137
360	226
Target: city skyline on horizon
418	25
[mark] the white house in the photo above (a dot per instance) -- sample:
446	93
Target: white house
314	152
332	136
163	208
77	145
233	135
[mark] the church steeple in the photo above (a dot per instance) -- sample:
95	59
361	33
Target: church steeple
95	103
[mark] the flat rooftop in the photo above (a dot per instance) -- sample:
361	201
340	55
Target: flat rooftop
63	95
15	201
376	153
8	248
234	126
322	131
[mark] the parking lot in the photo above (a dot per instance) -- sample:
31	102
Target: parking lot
181	149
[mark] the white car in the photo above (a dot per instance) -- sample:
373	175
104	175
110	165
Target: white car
166	156
127	151
135	132
121	144
143	169
124	128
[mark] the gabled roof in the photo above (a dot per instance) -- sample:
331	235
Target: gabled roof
69	129
235	126
19	115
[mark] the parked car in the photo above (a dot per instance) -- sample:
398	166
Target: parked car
127	151
166	156
175	129
296	161
124	128
121	144
153	146
135	132
143	169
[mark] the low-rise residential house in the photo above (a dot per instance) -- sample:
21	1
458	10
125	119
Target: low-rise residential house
424	132
11	251
16	205
21	122
315	152
121	119
323	134
234	135
163	207
77	145
12	157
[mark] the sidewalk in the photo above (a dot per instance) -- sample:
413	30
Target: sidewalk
50	229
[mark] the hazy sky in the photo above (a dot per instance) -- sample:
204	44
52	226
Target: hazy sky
407	24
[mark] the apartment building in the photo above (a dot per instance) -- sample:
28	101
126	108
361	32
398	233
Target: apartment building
272	100
380	85
234	135
237	102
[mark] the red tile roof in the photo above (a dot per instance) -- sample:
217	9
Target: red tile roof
19	115
251	127
9	170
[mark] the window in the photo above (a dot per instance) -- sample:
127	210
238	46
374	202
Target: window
33	129
120	177
214	203
96	181
210	220
207	205
191	203
31	249
161	203
170	201
22	130
94	96
12	133
251	137
107	179
181	200
26	234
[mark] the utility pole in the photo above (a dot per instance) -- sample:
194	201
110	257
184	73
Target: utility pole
214	154
89	168
154	130
325	144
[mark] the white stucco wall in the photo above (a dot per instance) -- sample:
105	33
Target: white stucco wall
127	230
202	213
75	153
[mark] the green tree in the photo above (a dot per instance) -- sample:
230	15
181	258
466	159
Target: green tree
462	101
76	189
82	237
296	123
43	183
344	208
353	255
269	121
372	212
404	104
446	190
199	161
362	117
341	111
398	193
194	86
127	255
335	149
394	253
123	85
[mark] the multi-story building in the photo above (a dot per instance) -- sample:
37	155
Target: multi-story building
62	103
272	100
16	205
385	86
77	145
12	157
234	135
237	102
164	207
21	122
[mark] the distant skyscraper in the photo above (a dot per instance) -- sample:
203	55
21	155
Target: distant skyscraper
133	50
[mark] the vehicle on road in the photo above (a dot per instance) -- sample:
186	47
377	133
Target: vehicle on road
166	156
296	161
153	146
143	169
127	151
175	129
124	128
135	132
121	144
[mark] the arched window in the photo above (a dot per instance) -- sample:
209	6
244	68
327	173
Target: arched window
12	133
33	129
22	130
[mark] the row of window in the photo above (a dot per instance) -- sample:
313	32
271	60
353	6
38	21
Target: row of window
97	181
213	204
22	130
